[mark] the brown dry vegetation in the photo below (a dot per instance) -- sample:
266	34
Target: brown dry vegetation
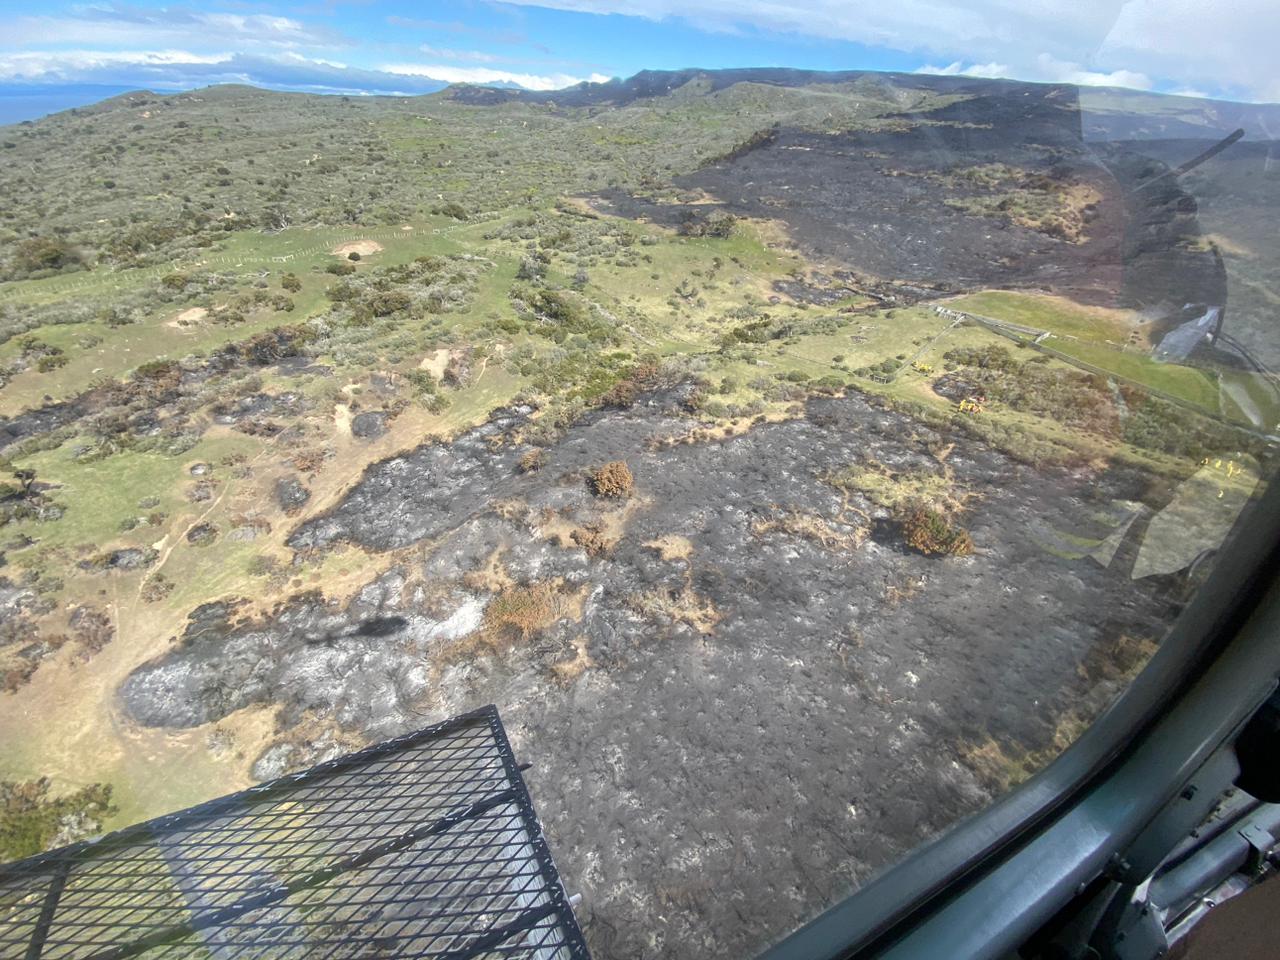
723	430
532	460
566	671
671	546
311	460
1058	206
683	605
491	576
592	539
812	527
525	610
614	479
517	613
897	593
893	489
1119	657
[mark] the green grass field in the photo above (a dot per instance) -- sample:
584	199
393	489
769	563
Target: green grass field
1100	337
1043	312
1189	383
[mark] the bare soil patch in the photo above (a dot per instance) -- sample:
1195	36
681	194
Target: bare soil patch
363	247
188	318
436	363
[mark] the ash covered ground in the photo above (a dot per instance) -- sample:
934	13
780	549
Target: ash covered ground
894	200
870	198
741	693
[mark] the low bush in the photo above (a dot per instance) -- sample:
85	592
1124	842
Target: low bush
930	532
591	538
532	461
523	609
31	821
614	479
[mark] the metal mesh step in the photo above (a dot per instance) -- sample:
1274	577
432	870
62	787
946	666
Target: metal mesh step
422	846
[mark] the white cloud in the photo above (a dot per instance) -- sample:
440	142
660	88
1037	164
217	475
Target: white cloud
1061	71
65	65
1217	46
1213	45
530	81
290	56
174	68
137	28
1047	69
183	70
958	68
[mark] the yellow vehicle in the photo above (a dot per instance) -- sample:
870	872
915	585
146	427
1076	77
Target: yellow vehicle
922	367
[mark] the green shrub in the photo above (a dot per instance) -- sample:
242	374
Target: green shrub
388	302
39	254
993	357
30	820
929	531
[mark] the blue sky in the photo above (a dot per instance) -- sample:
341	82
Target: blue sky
1201	47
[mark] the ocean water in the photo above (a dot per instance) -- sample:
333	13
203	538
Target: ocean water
18	103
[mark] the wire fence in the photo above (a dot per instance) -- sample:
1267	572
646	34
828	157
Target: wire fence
105	279
1019	334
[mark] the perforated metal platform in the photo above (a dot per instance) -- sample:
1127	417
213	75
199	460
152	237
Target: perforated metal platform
422	846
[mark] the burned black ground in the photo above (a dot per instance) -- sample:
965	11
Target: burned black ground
779	702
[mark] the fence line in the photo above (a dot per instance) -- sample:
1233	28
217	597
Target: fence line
139	274
1016	333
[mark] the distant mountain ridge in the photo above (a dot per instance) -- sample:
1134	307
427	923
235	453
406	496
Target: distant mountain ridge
1111	113
1107	113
